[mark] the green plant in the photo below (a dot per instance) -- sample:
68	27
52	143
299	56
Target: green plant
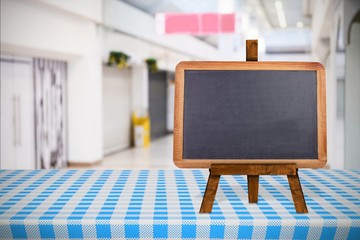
152	64
118	58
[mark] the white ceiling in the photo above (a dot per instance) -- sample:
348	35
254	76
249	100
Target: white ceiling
260	15
154	6
293	10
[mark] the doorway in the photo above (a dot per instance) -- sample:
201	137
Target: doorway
157	103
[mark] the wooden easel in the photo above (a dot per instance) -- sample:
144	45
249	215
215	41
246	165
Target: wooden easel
253	170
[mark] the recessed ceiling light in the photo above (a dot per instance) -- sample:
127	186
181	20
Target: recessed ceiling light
299	24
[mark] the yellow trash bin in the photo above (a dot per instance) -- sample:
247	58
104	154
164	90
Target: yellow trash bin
141	130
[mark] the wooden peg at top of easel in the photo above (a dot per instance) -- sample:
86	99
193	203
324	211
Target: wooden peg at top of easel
251	50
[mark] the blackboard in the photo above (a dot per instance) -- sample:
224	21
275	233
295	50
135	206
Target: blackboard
249	112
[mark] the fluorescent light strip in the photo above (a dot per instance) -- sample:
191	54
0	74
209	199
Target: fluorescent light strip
280	13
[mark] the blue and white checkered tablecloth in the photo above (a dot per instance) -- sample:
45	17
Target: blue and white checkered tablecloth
161	204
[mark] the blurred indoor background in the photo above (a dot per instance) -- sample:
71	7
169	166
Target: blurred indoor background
90	83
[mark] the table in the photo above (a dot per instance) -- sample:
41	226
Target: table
165	203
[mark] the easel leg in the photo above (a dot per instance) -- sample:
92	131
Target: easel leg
297	193
253	188
209	195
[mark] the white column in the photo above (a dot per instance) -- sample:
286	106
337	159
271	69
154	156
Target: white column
85	130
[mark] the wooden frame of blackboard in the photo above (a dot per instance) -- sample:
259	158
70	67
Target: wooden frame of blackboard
278	66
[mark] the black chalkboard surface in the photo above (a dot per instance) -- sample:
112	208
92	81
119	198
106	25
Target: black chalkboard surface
249	112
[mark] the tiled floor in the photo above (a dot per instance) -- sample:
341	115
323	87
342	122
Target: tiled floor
158	155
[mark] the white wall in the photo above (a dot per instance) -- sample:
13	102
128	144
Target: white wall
288	40
300	57
37	29
29	27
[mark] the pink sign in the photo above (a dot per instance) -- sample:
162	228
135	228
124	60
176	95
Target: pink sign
195	24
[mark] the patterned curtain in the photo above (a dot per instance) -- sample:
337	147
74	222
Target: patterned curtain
50	79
